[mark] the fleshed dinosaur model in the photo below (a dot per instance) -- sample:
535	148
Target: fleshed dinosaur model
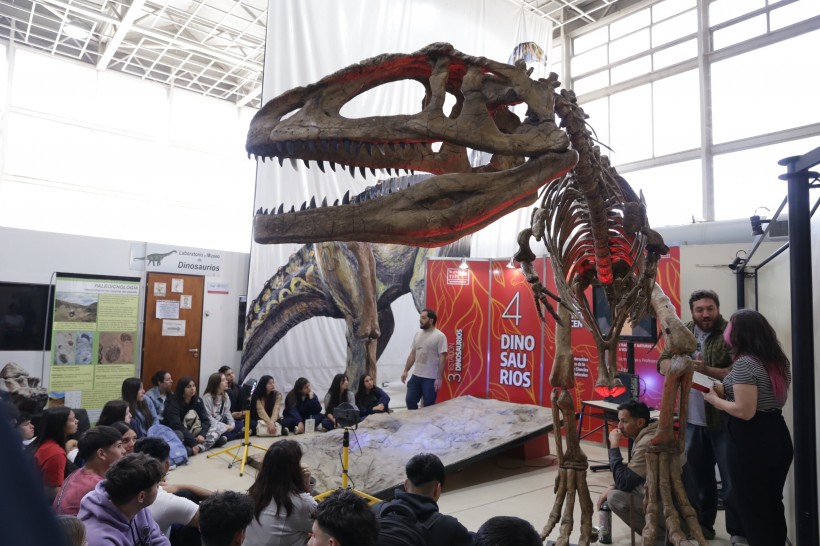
329	279
305	123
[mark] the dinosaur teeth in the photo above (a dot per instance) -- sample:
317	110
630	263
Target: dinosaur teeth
392	146
292	208
352	171
281	160
306	162
346	198
361	170
311	145
357	146
289	147
263	159
294	164
265	212
380	147
372	170
347	145
369	149
321	165
259	211
336	203
324	202
332	166
281	208
304	206
313	202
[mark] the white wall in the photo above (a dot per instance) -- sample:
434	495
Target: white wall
34	256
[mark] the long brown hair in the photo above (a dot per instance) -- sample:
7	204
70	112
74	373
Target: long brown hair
279	478
751	334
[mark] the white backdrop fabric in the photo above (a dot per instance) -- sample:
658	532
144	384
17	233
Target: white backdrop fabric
309	39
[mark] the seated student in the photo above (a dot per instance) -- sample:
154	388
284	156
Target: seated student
26	428
301	403
282	503
128	436
344	519
371	399
73	529
169	509
218	405
163	386
223	518
234	391
99	447
143	414
116	512
55	425
113	411
338	393
422	489
507	531
185	414
266	404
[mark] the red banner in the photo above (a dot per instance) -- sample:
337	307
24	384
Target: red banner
516	336
497	346
460	299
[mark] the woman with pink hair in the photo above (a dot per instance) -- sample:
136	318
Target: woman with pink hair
759	447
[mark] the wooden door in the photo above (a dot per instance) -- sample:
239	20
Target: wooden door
163	348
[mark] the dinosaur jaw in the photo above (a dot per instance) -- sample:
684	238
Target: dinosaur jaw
435	212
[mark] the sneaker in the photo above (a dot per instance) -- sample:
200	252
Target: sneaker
172	466
738	540
708	532
285	431
221	441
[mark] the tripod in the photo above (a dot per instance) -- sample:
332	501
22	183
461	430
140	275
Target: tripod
345	455
246	443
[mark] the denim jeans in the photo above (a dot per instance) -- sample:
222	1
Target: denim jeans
704	449
418	388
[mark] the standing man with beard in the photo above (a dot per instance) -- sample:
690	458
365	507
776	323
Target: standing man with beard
429	354
705	429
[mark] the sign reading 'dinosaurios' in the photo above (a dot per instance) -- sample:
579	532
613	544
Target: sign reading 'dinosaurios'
176	259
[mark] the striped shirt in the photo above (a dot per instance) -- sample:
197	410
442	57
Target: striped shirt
749	370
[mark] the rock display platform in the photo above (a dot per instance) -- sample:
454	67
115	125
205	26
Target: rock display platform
460	431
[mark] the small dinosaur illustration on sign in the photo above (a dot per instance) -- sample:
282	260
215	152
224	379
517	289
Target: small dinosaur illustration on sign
155	259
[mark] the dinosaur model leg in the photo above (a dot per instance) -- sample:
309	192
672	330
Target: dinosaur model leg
572	463
664	487
349	270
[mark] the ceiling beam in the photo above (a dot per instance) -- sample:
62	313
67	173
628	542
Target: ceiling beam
179	43
123	29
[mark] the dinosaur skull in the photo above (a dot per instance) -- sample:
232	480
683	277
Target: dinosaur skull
305	123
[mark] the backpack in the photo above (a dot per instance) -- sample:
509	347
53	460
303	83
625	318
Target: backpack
178	454
399	526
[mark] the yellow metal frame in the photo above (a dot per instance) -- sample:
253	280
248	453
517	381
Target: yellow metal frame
245	445
345	458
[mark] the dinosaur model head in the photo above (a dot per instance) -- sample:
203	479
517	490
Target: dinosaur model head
305	123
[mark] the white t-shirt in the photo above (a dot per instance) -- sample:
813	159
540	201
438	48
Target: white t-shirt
278	530
169	509
697	410
428	345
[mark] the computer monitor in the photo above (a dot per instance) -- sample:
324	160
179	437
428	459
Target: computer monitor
646	331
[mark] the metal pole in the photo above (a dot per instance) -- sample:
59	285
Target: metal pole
803	400
740	286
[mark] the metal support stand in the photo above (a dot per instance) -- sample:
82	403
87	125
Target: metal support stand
802	325
245	445
345	457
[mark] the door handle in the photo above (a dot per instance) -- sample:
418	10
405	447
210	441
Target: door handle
195	351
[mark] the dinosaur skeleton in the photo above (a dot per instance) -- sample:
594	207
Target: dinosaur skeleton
592	223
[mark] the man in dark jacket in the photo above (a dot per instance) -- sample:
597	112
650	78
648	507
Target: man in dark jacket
422	489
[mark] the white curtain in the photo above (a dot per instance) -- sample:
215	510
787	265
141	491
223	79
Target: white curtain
309	39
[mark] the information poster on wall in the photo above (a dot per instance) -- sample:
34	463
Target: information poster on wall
459	297
94	344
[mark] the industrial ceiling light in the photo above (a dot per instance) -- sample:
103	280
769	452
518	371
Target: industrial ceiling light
463	264
511	263
79	30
